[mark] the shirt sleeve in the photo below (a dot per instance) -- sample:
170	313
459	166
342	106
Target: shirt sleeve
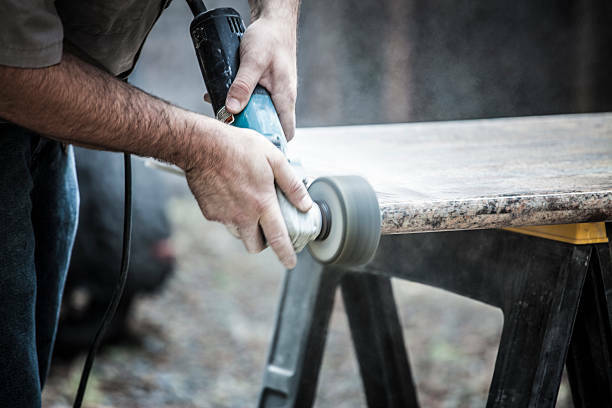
31	33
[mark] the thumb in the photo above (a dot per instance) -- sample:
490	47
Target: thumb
290	183
246	80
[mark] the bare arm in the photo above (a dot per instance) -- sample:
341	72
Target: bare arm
230	171
78	103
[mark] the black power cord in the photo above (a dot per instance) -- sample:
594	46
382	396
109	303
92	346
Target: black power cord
114	303
196	6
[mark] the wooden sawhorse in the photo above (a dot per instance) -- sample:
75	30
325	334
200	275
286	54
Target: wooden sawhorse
556	299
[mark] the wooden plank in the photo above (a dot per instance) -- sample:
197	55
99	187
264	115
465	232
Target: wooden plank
473	174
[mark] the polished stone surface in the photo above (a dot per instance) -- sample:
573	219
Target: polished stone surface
473	174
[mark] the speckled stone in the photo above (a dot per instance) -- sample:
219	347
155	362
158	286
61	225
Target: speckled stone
473	174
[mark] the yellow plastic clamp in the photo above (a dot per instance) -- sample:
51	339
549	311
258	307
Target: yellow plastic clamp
578	234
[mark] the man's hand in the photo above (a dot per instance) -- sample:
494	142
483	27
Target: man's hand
268	57
233	182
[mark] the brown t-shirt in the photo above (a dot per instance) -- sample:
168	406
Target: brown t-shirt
107	33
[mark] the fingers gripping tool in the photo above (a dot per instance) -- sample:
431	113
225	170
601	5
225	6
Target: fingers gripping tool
343	226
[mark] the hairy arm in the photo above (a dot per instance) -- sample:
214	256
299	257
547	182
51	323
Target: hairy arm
231	171
77	103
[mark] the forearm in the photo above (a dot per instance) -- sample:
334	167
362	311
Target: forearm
232	172
77	103
285	9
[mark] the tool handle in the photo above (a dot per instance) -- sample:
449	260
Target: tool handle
260	115
302	227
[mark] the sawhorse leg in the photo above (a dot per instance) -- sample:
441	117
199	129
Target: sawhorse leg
539	314
293	364
379	344
589	362
292	368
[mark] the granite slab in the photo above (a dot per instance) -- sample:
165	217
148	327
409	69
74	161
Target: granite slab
474	174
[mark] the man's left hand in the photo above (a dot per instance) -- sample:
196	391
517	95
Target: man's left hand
268	57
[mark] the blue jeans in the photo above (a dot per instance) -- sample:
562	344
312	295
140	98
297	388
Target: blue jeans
39	202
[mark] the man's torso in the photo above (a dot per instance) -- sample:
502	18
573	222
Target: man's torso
108	33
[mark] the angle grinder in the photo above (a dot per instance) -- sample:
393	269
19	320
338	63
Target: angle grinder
343	227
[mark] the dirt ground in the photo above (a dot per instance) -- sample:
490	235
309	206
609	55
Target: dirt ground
202	341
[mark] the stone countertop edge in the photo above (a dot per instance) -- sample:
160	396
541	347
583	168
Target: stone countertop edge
496	212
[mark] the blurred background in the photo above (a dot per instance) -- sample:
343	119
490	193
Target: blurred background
199	311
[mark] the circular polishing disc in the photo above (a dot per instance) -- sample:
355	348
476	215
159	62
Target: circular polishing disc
355	220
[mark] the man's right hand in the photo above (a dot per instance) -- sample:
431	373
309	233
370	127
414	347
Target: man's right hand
231	171
233	179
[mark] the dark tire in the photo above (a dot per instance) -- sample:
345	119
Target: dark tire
96	255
